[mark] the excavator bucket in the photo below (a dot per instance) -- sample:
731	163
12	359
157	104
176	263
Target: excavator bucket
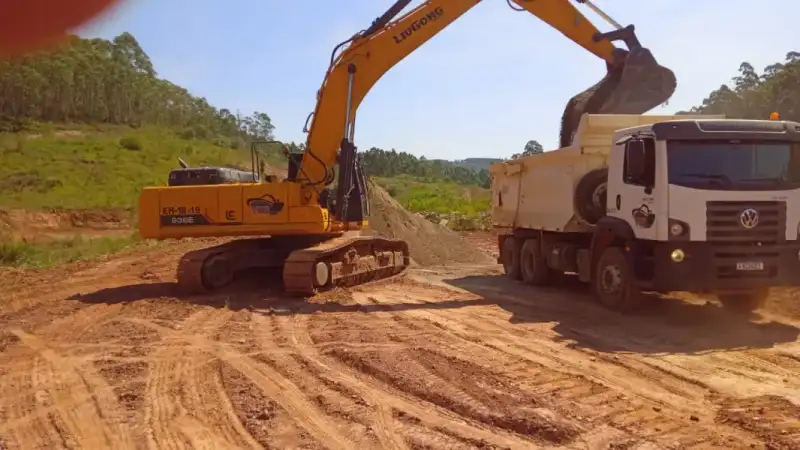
634	84
642	84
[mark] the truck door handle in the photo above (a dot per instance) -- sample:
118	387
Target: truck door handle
619	202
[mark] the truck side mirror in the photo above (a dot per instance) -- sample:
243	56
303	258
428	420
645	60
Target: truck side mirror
635	158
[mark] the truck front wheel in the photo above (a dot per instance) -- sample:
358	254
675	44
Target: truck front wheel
509	255
614	283
744	302
534	267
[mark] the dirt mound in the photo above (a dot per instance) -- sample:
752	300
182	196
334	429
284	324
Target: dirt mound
19	224
430	244
784	302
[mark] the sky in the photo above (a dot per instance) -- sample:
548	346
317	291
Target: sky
483	87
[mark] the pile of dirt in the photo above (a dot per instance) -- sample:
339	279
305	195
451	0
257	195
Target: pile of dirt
784	302
34	226
430	244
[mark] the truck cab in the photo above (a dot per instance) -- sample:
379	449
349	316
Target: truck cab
712	205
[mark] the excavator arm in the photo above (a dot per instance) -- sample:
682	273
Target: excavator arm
634	83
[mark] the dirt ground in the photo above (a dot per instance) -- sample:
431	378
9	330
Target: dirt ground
106	355
453	355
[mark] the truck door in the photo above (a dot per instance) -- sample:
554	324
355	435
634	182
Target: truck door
636	197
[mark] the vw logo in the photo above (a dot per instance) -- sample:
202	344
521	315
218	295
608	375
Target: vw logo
749	218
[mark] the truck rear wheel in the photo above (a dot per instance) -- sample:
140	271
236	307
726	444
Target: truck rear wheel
744	302
533	264
614	283
509	255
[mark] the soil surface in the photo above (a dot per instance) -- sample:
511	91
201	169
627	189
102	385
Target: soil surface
452	355
43	226
106	355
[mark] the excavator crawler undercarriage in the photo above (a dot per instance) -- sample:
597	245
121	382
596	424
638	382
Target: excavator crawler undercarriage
310	264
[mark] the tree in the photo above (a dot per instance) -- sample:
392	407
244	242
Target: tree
532	147
391	163
112	81
754	96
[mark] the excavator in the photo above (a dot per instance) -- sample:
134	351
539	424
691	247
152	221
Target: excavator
309	223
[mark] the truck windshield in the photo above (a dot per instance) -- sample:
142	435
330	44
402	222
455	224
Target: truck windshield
739	165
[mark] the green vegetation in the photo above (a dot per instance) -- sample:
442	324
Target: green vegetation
383	163
755	96
435	195
89	124
96	167
113	82
52	253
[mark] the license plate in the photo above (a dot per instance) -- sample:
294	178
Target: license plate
750	266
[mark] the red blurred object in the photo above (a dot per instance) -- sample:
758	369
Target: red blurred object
28	25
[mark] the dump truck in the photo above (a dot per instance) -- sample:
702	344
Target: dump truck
654	203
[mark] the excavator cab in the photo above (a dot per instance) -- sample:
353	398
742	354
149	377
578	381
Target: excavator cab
634	84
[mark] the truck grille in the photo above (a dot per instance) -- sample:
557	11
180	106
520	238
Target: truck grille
732	242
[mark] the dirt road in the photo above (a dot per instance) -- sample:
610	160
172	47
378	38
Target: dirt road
104	355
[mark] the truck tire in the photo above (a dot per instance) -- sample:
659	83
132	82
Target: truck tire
614	282
533	264
590	195
509	255
744	302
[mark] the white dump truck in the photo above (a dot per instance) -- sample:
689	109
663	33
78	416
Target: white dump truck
657	203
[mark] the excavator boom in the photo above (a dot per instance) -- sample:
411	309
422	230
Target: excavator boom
634	82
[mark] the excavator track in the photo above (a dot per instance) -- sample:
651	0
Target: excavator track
310	264
347	260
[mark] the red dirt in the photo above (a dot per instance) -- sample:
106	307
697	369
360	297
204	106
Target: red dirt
106	355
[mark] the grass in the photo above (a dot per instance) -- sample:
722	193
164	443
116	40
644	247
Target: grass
98	166
103	166
53	253
439	196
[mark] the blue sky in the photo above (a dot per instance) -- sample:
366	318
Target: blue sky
482	88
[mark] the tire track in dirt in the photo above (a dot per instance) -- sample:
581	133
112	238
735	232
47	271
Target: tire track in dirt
258	376
19	423
359	404
182	391
268	372
760	362
97	423
631	416
67	387
397	411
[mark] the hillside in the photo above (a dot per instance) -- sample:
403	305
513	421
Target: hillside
86	126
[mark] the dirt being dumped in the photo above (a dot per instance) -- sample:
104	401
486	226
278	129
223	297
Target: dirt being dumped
430	244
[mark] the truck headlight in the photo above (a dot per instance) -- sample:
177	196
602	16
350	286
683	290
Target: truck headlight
677	255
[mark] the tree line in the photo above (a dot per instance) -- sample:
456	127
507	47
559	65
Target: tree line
753	95
112	81
383	163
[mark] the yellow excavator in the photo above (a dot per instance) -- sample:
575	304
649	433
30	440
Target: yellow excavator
308	226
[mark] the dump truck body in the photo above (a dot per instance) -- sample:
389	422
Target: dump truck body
693	203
